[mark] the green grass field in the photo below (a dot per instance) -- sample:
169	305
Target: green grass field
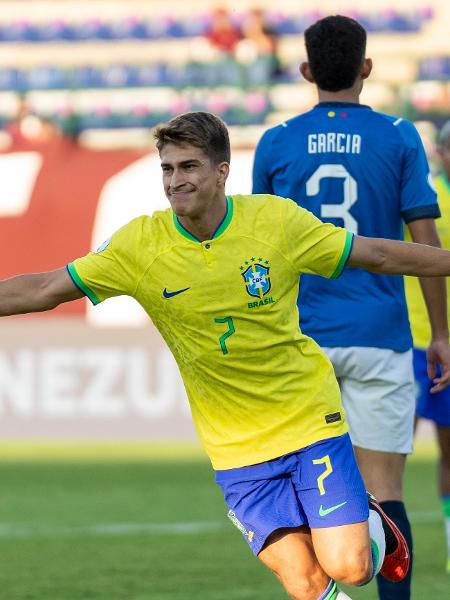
144	527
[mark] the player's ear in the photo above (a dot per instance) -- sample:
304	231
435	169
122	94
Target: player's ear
222	170
306	72
366	68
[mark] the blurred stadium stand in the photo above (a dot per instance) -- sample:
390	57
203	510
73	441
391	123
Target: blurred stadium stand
91	65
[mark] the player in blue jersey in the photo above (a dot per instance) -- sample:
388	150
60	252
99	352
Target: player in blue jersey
368	172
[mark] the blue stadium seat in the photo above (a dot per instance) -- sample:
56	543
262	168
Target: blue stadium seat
45	78
9	80
435	68
168	26
85	77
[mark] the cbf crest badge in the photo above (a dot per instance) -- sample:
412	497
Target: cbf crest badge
257	281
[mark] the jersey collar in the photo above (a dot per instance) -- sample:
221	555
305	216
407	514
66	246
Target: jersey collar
331	104
223	225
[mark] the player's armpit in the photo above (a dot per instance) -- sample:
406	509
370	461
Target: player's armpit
36	292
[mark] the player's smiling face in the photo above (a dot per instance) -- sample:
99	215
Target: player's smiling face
191	181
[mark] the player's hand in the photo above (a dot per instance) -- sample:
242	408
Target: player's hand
438	353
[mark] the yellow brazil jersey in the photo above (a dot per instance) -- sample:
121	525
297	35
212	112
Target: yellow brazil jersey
258	388
418	315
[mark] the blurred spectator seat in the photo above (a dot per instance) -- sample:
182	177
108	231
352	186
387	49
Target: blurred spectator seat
437	67
222	29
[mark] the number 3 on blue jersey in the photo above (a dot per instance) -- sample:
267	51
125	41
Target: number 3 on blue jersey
350	195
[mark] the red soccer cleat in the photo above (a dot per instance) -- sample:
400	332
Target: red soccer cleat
396	561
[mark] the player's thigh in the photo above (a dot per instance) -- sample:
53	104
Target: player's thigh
377	387
344	552
435	407
443	435
263	505
289	553
334	499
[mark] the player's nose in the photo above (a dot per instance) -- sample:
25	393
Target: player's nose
177	179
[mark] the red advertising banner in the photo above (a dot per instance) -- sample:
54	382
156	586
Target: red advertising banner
49	195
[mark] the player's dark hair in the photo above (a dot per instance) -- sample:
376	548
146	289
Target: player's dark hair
336	48
200	129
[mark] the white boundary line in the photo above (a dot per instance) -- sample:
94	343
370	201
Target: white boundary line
16	530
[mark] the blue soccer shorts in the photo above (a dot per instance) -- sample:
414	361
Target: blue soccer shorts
435	407
317	486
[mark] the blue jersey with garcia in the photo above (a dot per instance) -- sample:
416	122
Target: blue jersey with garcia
367	172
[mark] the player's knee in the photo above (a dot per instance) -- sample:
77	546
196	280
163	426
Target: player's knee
301	588
304	585
354	567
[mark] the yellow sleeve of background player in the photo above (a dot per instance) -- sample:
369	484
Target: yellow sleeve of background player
312	246
112	270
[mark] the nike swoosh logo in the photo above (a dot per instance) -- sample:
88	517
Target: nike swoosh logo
168	294
326	511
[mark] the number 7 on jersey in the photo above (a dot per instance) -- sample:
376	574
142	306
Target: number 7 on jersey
230	331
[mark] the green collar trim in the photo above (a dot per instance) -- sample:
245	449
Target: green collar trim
184	232
223	225
226	220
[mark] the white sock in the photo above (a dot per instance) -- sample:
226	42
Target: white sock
377	541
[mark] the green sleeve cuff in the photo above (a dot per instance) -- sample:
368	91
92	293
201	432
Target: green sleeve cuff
81	285
345	254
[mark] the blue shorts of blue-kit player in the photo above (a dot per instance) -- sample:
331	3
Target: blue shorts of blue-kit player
435	407
317	486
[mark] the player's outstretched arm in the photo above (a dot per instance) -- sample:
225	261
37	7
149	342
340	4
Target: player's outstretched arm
36	292
399	258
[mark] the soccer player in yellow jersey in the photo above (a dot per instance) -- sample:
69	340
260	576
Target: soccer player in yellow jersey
434	406
218	276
